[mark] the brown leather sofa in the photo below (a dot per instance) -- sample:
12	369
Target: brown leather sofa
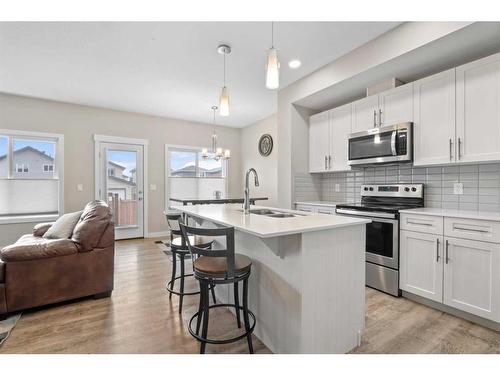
36	271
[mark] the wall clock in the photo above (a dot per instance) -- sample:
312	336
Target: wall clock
265	145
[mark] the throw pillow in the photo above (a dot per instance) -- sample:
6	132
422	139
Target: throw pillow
63	227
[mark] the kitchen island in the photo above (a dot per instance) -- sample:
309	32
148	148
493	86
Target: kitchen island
308	275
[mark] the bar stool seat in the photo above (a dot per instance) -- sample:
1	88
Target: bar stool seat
217	266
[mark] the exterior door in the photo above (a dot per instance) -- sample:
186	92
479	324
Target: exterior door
122	186
434	119
319	146
421	264
396	105
365	114
472	277
478	110
340	128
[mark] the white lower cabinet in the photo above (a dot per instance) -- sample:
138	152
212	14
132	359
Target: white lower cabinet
458	272
421	264
472	277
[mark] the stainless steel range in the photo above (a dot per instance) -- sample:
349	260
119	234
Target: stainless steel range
382	203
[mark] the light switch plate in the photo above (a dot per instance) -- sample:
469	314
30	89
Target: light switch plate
458	188
152	187
337	188
79	187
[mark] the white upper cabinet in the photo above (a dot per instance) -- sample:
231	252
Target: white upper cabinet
365	114
434	119
421	264
340	128
396	105
472	277
478	110
319	142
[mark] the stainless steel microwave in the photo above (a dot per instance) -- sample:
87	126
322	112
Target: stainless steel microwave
382	145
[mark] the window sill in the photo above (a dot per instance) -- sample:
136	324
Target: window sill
28	219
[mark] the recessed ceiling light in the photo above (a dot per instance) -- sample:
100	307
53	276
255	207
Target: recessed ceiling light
294	64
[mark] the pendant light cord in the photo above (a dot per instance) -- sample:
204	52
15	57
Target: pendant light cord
224	72
272	34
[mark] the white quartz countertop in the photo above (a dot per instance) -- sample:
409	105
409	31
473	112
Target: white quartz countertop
264	226
464	214
318	203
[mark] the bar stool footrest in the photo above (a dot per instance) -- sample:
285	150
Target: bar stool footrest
225	341
169	288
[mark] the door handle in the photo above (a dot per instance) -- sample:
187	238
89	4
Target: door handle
459	148
326	162
380	117
437	250
374	118
329	162
446	254
451	143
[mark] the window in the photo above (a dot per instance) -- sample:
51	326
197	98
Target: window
31	168
48	168
191	176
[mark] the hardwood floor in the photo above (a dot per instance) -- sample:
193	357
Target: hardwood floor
139	318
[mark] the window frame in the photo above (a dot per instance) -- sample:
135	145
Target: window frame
172	147
58	171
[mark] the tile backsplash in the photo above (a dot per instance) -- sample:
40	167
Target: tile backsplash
481	184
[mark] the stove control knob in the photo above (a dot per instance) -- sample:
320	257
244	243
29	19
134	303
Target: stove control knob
371	189
366	189
407	189
413	189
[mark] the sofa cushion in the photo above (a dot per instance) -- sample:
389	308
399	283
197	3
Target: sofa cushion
63	227
2	272
40	229
93	222
30	247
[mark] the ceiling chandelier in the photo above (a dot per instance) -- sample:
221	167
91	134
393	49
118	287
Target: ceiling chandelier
272	65
224	50
215	153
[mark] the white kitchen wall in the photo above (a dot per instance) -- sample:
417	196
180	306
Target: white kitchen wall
266	167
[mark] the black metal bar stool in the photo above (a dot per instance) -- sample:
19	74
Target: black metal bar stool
180	250
219	266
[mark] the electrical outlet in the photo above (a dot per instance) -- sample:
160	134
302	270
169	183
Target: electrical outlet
458	188
337	188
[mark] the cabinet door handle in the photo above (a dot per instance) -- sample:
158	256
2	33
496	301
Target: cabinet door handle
374	118
437	250
472	230
451	144
326	162
446	253
329	162
459	148
415	223
380	117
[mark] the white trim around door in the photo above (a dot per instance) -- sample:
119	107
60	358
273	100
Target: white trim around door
98	139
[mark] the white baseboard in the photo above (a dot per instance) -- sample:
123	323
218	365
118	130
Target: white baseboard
158	234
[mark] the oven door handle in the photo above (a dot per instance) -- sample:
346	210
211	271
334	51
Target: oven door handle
393	143
365	214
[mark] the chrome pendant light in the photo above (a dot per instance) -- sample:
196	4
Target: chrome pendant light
216	153
224	50
272	65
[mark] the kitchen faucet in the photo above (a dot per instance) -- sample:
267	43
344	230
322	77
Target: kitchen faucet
246	202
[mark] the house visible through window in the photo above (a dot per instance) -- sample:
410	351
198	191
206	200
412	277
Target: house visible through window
30	172
191	176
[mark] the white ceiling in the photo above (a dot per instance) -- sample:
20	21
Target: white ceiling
169	69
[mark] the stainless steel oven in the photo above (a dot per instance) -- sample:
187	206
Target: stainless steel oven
381	204
382	145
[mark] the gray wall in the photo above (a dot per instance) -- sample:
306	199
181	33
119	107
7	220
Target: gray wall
481	184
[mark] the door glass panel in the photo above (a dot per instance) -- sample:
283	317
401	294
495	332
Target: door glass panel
371	146
121	184
33	159
3	157
379	238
